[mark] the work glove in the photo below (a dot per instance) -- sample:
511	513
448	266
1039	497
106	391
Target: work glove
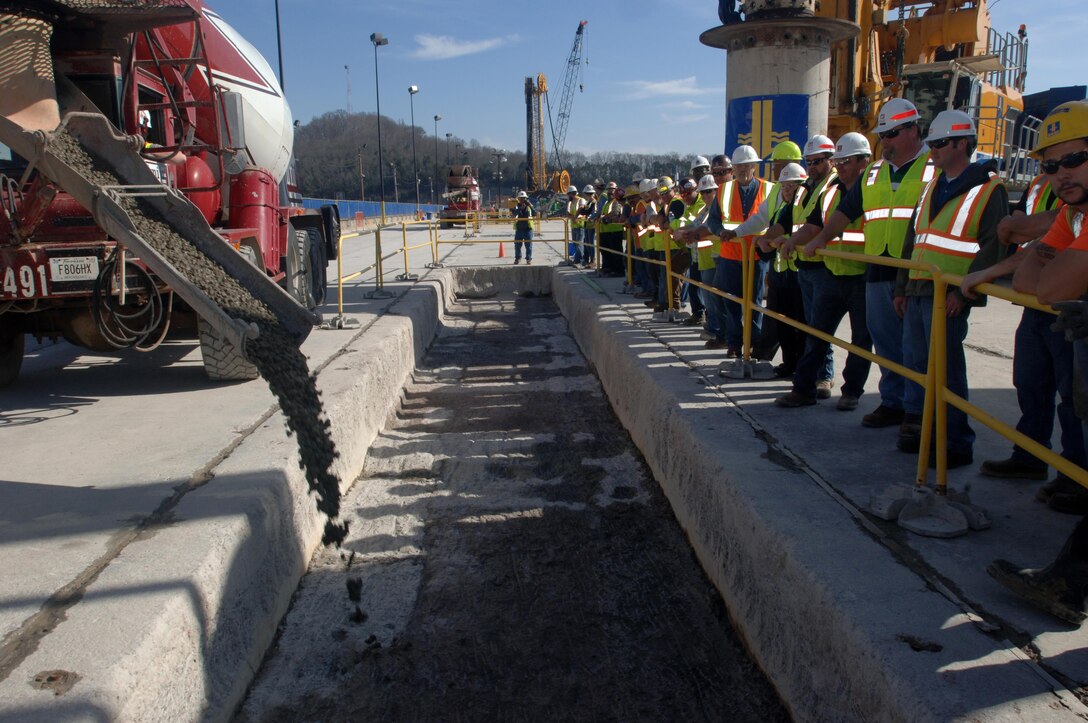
1072	318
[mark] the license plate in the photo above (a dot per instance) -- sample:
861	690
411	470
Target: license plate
73	268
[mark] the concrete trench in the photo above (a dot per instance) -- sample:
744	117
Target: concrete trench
510	556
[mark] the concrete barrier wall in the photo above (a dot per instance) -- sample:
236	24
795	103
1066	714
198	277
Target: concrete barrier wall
823	605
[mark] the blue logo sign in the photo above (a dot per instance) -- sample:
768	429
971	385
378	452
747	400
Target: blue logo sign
763	121
1053	128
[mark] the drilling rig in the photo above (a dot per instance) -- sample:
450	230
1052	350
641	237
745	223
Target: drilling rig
536	98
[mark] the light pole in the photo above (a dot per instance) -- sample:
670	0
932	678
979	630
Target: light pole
448	136
500	158
412	90
279	45
378	39
396	193
436	119
362	175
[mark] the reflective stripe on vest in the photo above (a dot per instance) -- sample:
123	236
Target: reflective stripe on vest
733	213
1077	222
808	201
1041	196
888	210
851	240
950	241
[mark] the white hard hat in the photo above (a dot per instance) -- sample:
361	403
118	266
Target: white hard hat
894	113
792	172
707	183
589	189
699	162
572	189
852	144
745	154
522	194
818	144
610	186
646	185
951	124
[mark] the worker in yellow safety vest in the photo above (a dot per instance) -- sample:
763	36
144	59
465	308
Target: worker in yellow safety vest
885	198
954	228
840	290
612	226
577	221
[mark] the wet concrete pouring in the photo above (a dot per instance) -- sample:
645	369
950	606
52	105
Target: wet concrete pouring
509	558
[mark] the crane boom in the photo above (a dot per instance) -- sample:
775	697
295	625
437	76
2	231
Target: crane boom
573	71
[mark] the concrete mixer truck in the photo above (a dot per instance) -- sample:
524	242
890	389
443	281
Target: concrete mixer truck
146	149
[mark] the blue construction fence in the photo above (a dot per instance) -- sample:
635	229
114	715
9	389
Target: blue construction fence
373	209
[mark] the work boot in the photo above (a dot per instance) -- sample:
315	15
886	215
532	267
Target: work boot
847	403
1060	484
517	261
693	320
794	399
882	416
783	371
823	389
715	343
910	433
1012	468
1071	501
1059	588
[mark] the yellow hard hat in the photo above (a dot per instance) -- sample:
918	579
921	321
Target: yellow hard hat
1067	122
786	151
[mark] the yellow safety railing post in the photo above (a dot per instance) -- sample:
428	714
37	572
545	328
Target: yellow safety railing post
404	246
668	270
340	276
629	239
937	339
747	276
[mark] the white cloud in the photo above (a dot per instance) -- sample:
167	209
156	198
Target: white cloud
685	105
641	89
681	119
443	47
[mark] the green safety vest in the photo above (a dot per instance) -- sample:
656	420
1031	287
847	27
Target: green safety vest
576	219
610	210
888	212
811	198
789	263
950	241
523	220
851	240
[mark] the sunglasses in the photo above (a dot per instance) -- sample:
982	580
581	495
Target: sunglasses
896	131
844	161
939	144
727	171
1069	160
709	190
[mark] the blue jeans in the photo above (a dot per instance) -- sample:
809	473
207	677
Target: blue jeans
712	305
528	248
917	324
574	248
886	330
694	293
590	238
809	279
835	297
1042	367
728	278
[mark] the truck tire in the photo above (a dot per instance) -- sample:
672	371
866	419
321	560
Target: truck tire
11	356
299	277
223	362
318	265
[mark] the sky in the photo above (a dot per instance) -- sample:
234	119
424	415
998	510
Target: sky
649	86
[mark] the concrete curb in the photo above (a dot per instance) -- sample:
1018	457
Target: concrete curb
828	611
176	626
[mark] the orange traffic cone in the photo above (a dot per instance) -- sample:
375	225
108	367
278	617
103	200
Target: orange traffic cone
502	251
